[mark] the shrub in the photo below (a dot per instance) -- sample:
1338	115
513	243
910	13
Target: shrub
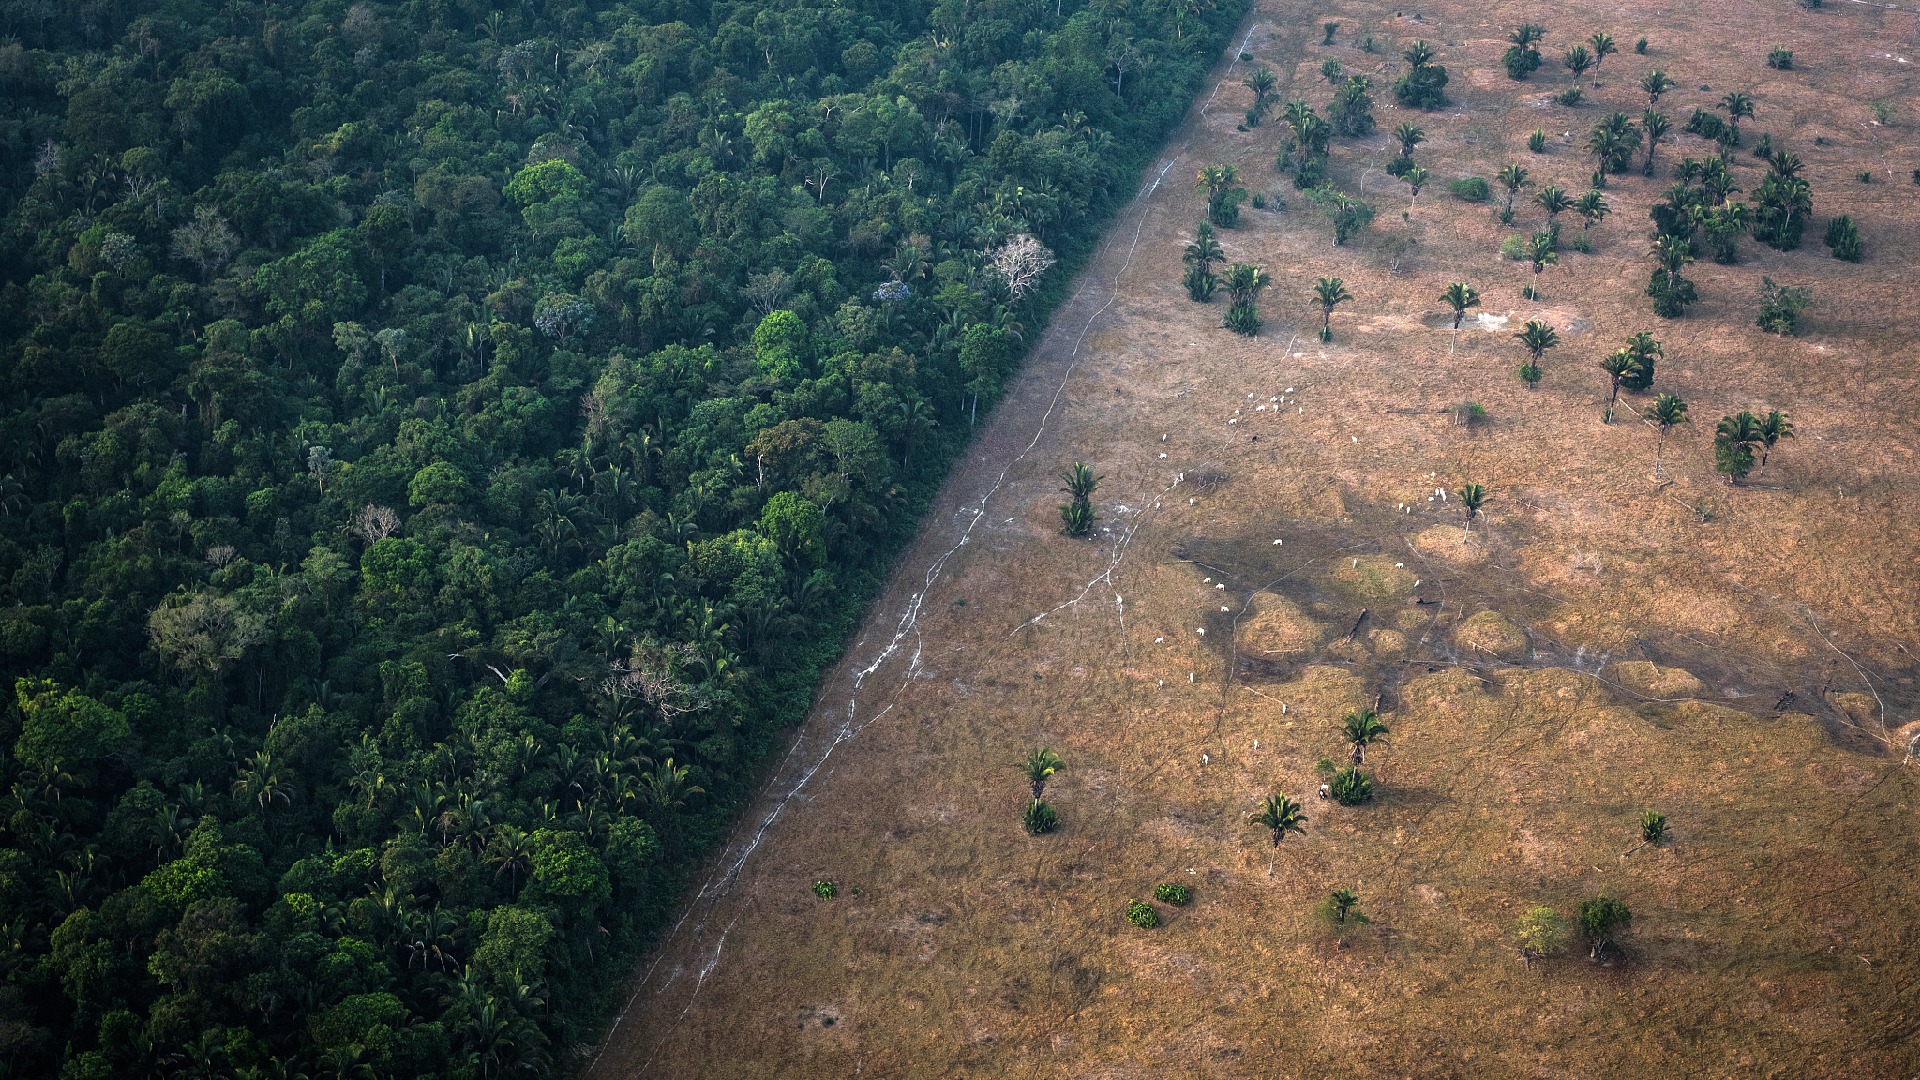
1350	786
1780	59
1329	28
825	890
1368	45
1141	914
1475	189
1465	415
1640	46
1077	518
1243	319
1569	97
1580	243
1764	148
1707	125
1599	918
1040	817
1400	166
1514	248
1916	176
1324	766
1259	201
1530	373
1520	62
1537	142
1843	238
1172	893
1653	826
1542	932
1864	177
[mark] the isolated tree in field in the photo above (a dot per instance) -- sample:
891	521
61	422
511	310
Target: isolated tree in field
1460	296
1422	87
1339	913
1668	411
1362	729
1280	816
1522	58
1739	106
1471	497
1329	293
1541	252
1554	202
1244	282
1600	918
1780	306
1415	178
1578	60
1200	257
1542	933
1591	207
1223	195
1409	136
1077	516
1513	178
1655	83
1040	765
1655	124
1619	366
1603	47
1537	337
1774	427
1331	71
1261	81
1733	440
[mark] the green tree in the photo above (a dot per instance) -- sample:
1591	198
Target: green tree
1655	125
1039	766
1668	411
1460	296
1655	83
1329	293
1220	183
1351	112
1780	306
1471	498
1537	337
1244	283
1739	106
1408	135
1415	178
1592	207
1200	257
1280	815
1423	86
1555	202
1362	729
1542	933
1671	293
1773	427
1262	82
1579	60
1541	252
1603	47
1600	918
1339	913
1513	177
1733	440
1619	364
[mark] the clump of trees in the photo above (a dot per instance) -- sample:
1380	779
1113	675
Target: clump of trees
1221	184
1200	256
1782	203
1304	153
1522	58
1244	283
1423	86
1780	306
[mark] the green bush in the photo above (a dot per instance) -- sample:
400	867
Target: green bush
824	890
1843	238
1764	149
1514	248
1530	373
1580	243
1141	914
1471	189
1243	319
1350	786
1040	817
1653	826
1780	59
1400	166
1172	893
1569	97
1324	766
1537	142
1640	46
1780	306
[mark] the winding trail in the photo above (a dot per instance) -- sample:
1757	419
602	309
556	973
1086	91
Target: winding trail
691	947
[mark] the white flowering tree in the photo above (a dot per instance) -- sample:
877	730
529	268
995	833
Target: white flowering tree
1021	260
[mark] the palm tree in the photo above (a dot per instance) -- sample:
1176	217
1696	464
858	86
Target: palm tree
260	780
1363	728
1244	282
511	851
1603	47
1668	410
666	786
1672	253
1200	257
1554	202
1281	815
1619	365
1655	83
1038	766
1515	178
1080	482
1420	55
1538	337
1329	292
1656	125
1541	253
1222	196
1410	136
1578	60
1775	427
1733	441
1459	296
1261	82
1738	106
1592	207
1472	497
1415	178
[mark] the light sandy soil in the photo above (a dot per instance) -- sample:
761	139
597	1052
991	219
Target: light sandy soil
1738	658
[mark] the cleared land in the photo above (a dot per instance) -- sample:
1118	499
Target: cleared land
1643	649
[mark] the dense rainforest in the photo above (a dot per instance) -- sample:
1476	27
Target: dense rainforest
441	445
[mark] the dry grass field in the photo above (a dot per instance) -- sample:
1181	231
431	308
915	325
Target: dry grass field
1741	658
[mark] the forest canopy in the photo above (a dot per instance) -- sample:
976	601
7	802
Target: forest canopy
441	446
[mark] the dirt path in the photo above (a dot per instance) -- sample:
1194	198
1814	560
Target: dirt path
1259	496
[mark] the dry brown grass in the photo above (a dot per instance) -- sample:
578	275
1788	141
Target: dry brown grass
1773	936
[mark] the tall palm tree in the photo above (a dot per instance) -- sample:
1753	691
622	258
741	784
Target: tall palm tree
1578	60
1415	178
1459	296
1540	251
1668	410
1775	427
1603	47
1261	82
511	852
1329	292
1200	257
1554	202
1514	177
1733	440
1538	337
1655	83
1738	106
1080	481
1363	729
1472	497
1619	365
1038	766
1410	136
1218	181
1656	124
1281	816
1672	253
1592	207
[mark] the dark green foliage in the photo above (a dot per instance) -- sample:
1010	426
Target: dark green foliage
1530	373
1672	294
1653	826
1141	914
1200	284
1243	282
1599	919
1400	166
443	447
1329	28
1243	319
1733	441
1040	765
1471	189
1843	238
1424	84
1764	149
1200	257
1172	893
1340	911
1707	125
1522	58
1351	787
1780	59
1348	215
1537	141
825	890
1640	47
1077	519
1351	111
1780	306
1040	817
1781	204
